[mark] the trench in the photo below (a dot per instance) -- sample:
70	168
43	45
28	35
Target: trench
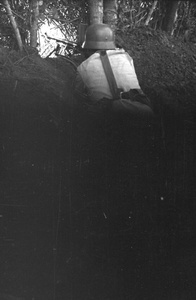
91	211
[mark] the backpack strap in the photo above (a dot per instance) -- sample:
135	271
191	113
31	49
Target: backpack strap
109	75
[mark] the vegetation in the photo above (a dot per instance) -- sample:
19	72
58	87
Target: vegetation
175	17
97	212
160	36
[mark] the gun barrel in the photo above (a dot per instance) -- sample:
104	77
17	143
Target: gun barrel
64	42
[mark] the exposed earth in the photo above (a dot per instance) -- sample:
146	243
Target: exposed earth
98	211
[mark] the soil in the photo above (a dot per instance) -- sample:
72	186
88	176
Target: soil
91	210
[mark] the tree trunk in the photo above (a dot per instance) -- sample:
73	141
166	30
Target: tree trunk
170	16
110	12
14	24
95	11
151	12
34	7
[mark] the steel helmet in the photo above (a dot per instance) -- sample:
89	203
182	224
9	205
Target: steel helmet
99	36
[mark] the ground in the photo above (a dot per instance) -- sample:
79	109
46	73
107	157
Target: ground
92	211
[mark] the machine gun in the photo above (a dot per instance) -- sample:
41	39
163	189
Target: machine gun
70	49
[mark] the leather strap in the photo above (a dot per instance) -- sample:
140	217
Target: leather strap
109	75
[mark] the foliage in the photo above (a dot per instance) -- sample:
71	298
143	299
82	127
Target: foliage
20	9
186	21
132	14
68	14
65	14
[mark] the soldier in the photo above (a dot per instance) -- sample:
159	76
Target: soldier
95	84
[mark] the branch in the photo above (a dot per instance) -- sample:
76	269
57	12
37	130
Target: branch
151	12
14	24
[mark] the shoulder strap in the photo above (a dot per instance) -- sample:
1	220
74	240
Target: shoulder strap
109	74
